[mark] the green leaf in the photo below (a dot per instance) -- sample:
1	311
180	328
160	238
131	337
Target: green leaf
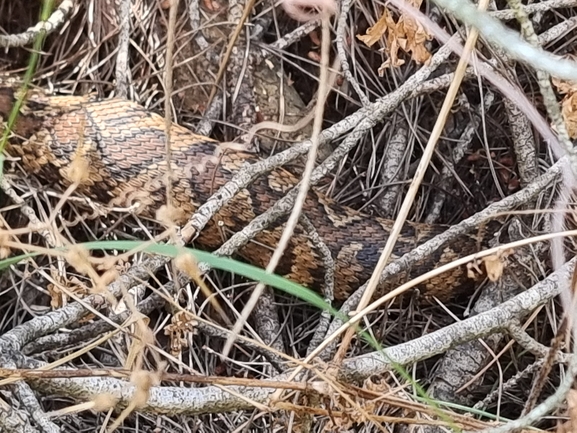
216	262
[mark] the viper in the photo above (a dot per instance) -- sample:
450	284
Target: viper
119	149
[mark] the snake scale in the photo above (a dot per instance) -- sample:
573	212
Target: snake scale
123	145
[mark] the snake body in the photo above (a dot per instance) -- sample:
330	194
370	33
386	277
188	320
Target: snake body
119	148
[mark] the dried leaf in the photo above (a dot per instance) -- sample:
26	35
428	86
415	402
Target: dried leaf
569	103
569	111
473	270
564	86
405	34
377	31
494	266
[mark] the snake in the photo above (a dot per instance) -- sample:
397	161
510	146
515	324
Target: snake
114	151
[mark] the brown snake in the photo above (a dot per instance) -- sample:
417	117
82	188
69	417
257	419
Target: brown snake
123	145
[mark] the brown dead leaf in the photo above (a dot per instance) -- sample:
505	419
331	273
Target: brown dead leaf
569	103
494	265
563	86
473	270
405	34
376	32
181	327
569	112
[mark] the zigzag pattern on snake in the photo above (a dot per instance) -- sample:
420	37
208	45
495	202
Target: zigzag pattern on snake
124	146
